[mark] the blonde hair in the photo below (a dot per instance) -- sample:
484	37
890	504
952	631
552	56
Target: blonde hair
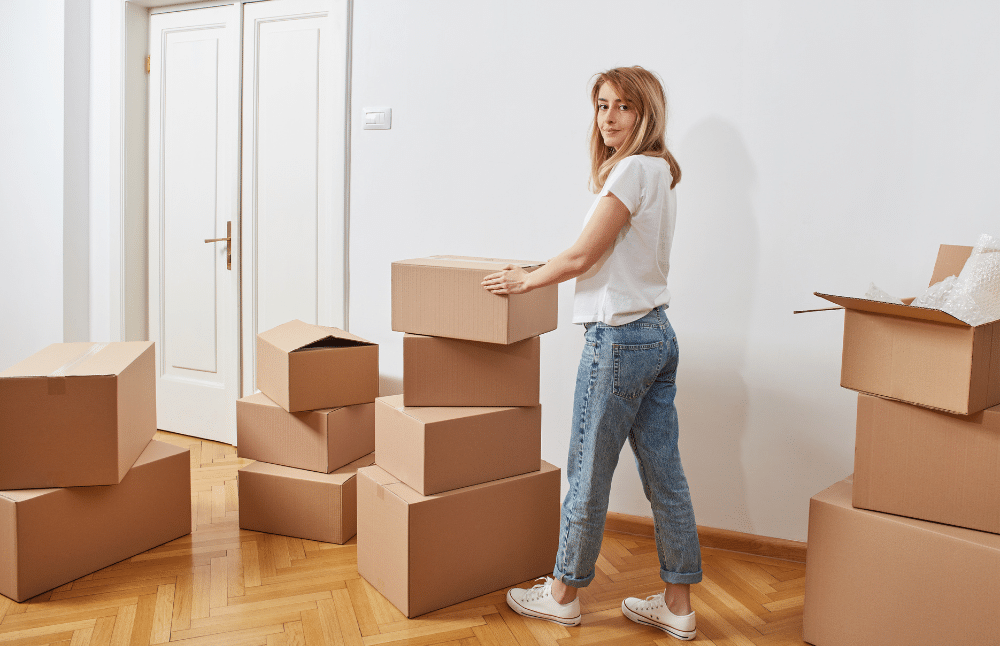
642	91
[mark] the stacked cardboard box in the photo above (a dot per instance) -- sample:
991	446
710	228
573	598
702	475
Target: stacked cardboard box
459	502
310	429
77	453
907	550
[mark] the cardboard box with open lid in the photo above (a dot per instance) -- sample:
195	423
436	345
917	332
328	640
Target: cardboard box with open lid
443	296
919	355
309	367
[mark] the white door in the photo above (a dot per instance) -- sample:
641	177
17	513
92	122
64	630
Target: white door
288	217
294	151
194	196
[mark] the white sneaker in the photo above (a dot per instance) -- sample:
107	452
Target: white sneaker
538	602
652	611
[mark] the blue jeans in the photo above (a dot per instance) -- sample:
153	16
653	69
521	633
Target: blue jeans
625	389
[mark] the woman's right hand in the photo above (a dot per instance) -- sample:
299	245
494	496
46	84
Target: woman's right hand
509	280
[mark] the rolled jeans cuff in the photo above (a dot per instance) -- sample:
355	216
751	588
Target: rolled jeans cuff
679	577
574	583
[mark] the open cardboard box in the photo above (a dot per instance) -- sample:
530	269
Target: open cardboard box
876	579
443	296
919	355
308	367
76	414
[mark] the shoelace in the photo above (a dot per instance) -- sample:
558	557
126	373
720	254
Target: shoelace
540	590
651	603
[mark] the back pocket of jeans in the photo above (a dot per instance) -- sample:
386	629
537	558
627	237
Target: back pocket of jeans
636	367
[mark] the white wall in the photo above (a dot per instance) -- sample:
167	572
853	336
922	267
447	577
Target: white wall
100	169
45	256
823	146
31	177
76	171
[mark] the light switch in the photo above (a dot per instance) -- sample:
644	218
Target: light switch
377	118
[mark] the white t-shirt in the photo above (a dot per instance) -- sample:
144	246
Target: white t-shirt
630	279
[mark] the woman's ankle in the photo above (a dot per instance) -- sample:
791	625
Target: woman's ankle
563	593
677	597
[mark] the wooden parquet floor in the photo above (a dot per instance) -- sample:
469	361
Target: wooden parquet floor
222	586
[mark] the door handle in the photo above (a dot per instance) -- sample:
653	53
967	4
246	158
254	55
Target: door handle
229	244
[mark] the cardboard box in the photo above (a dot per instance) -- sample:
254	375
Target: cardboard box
919	355
427	552
443	296
49	537
442	448
299	503
882	580
76	414
309	367
925	464
450	372
320	440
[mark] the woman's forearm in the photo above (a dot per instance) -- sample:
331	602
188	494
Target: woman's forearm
598	235
563	267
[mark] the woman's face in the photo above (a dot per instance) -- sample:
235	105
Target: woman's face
615	118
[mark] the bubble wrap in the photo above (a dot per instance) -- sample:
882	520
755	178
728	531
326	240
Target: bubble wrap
876	294
974	296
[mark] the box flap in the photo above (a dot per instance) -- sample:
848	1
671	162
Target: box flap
410	496
260	399
950	261
388	482
338	477
296	335
79	359
378	475
840	495
893	309
20	495
156	451
469	262
433	414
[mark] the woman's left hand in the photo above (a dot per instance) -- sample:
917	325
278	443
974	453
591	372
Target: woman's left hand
510	280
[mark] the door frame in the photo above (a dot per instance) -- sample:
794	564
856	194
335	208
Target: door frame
129	150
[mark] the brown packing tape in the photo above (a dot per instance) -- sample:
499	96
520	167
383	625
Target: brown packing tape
380	492
57	385
63	369
519	263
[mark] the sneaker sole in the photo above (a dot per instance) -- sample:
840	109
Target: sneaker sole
526	612
686	635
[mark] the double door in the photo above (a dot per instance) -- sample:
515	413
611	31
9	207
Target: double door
247	181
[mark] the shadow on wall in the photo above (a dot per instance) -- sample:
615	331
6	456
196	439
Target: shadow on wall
713	277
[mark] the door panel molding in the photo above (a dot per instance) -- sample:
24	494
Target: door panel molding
295	56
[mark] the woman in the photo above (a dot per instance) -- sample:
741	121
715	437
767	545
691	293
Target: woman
625	383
